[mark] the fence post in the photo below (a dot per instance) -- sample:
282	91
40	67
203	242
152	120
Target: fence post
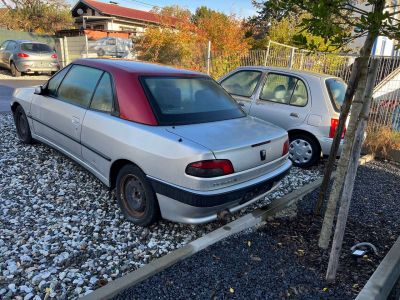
267	54
301	59
66	55
86	46
208	57
291	58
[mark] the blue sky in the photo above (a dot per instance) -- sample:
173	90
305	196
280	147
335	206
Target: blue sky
242	8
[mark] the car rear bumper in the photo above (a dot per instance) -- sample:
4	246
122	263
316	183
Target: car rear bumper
326	144
194	207
33	66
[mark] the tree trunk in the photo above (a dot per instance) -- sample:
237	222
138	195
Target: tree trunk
356	108
344	113
351	175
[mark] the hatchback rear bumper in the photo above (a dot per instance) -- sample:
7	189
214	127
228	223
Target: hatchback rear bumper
27	66
194	207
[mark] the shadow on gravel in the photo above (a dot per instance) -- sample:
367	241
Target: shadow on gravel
282	259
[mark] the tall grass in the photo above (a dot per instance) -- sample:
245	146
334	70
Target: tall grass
381	141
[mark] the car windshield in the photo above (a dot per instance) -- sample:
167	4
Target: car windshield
189	100
35	47
337	89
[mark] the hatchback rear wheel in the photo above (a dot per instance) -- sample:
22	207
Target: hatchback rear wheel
136	197
304	151
22	125
14	70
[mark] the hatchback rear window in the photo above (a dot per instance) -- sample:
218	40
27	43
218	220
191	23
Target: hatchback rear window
35	47
337	89
189	100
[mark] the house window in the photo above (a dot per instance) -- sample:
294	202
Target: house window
98	27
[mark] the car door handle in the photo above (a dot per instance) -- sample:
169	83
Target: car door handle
294	115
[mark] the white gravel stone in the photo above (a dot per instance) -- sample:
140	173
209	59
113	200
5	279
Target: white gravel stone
60	227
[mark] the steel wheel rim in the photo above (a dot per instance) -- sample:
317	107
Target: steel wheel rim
133	195
300	151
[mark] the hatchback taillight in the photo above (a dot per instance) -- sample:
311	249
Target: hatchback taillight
21	54
285	148
54	55
334	125
210	168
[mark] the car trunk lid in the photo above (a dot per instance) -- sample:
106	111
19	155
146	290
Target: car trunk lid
247	142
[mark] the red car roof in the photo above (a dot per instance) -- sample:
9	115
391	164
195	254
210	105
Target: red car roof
132	101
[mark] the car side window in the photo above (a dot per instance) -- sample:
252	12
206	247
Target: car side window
54	82
4	45
10	46
242	83
284	89
103	96
78	85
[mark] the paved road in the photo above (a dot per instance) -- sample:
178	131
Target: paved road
7	88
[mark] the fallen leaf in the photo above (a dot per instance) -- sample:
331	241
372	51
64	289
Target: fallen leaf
249	243
255	257
325	289
231	290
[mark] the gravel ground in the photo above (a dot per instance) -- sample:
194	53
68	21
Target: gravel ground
282	259
62	234
5	74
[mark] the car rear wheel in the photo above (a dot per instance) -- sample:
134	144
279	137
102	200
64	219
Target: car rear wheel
100	52
304	151
22	125
136	197
14	70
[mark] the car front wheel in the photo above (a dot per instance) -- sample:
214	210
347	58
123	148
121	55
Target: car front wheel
22	125
304	151
136	197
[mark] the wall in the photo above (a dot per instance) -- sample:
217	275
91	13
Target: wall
6	34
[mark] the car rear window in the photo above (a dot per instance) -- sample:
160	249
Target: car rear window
189	100
35	47
336	89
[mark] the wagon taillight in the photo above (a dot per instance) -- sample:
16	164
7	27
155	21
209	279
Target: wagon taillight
285	148
21	54
210	168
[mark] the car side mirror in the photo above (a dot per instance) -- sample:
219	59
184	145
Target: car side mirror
39	90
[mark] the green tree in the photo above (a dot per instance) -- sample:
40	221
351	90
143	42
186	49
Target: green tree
339	22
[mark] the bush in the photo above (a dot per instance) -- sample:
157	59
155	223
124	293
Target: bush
381	141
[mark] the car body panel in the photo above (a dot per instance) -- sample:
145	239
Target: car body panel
97	140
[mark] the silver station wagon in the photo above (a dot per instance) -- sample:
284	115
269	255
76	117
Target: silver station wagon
306	104
171	142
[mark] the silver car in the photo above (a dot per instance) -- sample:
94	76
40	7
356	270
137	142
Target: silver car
306	104
172	142
24	56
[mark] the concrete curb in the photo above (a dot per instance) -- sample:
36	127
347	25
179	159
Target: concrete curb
115	287
381	283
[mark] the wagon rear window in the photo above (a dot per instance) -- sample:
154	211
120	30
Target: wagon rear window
35	47
184	100
337	90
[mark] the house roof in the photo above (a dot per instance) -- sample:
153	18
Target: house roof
120	11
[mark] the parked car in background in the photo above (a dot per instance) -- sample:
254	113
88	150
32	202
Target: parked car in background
172	142
24	56
306	104
111	46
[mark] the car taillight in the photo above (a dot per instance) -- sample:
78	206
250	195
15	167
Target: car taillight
334	125
54	55
21	54
210	168
285	148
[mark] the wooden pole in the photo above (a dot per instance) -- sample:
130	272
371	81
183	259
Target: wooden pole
351	175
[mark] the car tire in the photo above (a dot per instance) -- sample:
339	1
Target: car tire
22	126
14	70
304	150
100	52
136	197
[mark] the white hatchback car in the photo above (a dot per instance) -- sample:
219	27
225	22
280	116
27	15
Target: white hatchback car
306	104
